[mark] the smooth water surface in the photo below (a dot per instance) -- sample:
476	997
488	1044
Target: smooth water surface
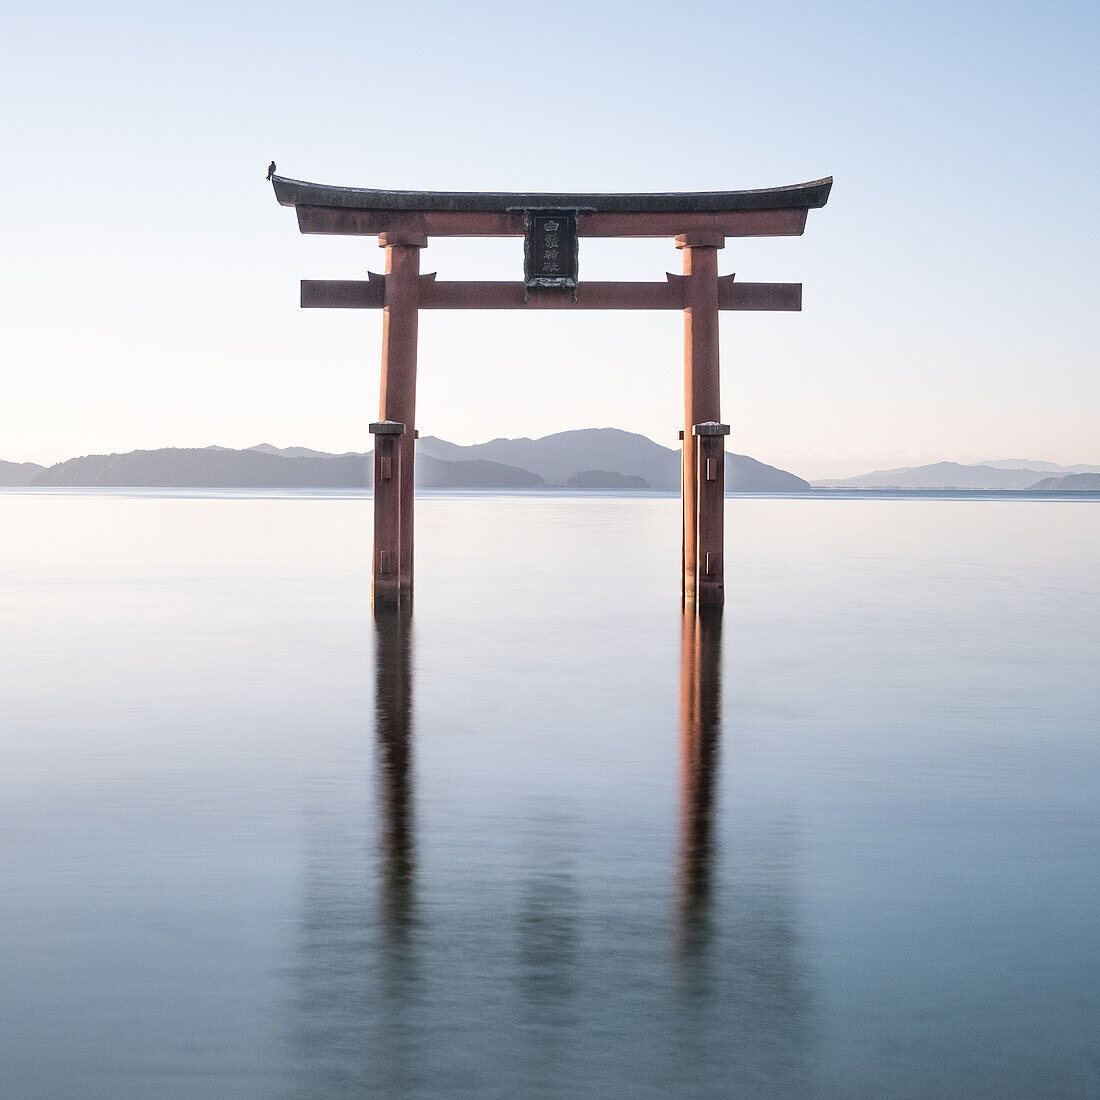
549	838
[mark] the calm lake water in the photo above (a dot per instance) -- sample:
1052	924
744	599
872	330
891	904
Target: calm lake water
548	839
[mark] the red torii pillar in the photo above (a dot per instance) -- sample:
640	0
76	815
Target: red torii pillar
394	460
703	461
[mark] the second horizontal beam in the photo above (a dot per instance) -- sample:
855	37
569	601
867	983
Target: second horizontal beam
732	295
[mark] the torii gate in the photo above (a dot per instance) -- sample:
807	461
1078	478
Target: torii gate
551	225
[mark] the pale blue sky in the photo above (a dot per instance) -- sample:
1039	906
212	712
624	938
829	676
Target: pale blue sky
150	280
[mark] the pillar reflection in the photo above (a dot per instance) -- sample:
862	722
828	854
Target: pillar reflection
393	720
700	687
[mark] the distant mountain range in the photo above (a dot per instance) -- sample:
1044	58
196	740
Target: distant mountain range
601	456
593	458
1001	474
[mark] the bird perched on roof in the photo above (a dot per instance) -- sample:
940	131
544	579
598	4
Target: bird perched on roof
271	170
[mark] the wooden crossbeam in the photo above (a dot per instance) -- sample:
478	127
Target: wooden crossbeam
370	294
344	221
760	297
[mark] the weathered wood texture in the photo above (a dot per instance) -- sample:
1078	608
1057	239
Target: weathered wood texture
386	568
370	294
701	388
290	192
710	503
397	396
450	223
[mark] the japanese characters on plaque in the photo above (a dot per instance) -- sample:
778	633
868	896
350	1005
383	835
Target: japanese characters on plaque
550	250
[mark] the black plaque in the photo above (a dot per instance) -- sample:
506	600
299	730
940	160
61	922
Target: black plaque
550	250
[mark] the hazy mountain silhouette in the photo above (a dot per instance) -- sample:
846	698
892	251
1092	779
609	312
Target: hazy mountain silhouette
1087	483
177	467
589	458
938	475
604	479
19	473
474	473
559	457
217	467
996	474
744	474
303	452
556	458
1039	467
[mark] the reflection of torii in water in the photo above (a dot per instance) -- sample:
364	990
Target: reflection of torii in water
700	726
373	1007
393	723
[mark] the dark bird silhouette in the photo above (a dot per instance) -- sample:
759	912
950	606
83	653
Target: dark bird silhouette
271	170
